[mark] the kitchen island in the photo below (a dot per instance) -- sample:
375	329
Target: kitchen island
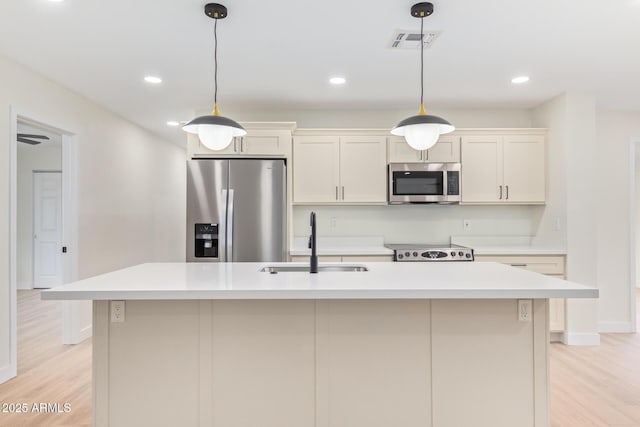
403	344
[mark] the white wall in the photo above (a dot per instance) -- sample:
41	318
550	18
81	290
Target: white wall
131	183
42	157
419	223
637	219
384	118
615	132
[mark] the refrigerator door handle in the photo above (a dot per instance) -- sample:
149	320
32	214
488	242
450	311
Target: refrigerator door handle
222	233
230	228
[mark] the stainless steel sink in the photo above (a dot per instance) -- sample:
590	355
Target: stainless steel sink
305	268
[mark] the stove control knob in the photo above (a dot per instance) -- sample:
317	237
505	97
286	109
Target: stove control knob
468	255
400	256
415	254
407	254
461	253
453	254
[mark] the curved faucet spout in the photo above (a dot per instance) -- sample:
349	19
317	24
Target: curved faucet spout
313	260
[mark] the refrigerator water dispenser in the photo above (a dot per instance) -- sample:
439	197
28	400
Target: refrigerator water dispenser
206	240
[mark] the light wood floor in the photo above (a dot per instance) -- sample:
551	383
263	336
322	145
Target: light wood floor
590	386
48	372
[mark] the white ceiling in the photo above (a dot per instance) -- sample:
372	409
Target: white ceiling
280	53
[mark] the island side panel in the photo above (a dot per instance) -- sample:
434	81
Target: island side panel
483	364
154	365
263	363
374	363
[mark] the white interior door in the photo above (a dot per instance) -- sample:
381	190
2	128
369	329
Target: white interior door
47	229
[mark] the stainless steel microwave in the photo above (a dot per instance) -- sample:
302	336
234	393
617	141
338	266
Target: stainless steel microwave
424	183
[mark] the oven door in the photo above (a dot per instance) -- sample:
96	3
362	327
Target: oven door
419	183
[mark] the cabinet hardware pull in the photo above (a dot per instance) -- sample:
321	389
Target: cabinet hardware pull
507	188
343	192
421	153
518	265
336	192
235	145
242	144
500	193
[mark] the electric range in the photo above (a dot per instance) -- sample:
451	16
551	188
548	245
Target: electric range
417	252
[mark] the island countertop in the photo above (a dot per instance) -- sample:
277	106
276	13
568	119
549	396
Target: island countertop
384	280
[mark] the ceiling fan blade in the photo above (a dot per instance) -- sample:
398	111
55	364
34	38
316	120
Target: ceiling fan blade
27	135
29	141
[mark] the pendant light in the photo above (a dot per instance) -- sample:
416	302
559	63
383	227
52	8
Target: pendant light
422	131
214	130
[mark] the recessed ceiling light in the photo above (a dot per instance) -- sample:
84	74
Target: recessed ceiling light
172	123
153	80
337	80
520	79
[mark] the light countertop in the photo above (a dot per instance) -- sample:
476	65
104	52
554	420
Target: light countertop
176	281
507	245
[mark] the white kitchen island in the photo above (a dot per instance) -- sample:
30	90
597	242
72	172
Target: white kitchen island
403	344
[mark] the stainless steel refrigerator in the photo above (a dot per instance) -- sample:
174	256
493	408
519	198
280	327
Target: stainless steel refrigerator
236	210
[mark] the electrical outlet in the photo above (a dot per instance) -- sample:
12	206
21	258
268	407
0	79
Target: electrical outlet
558	224
333	221
117	311
466	224
525	306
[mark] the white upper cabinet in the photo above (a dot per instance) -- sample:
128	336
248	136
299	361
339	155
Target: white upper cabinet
262	139
339	169
446	150
316	169
503	168
363	165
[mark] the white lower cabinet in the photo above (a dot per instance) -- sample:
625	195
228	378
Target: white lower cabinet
345	258
550	265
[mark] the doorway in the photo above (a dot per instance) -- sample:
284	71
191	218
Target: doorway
39	150
39	215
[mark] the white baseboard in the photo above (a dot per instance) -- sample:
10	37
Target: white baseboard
570	338
24	286
6	373
85	333
615	327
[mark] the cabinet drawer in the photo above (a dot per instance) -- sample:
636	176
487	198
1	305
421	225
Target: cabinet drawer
321	258
367	258
539	263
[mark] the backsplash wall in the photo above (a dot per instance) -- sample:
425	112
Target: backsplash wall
418	223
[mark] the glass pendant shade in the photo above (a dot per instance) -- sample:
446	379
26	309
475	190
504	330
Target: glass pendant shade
215	132
422	131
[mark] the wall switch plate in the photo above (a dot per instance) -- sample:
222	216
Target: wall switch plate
525	306
117	311
466	224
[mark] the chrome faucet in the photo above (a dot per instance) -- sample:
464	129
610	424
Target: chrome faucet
313	266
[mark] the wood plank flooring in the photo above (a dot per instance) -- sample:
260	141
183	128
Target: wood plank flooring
590	386
48	372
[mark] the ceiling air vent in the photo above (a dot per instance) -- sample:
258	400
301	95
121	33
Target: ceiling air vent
405	39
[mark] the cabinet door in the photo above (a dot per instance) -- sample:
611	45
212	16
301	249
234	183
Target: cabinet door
401	152
198	148
481	174
316	169
524	169
446	150
262	142
363	164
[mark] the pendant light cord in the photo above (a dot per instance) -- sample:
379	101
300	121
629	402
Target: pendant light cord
421	61
215	63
